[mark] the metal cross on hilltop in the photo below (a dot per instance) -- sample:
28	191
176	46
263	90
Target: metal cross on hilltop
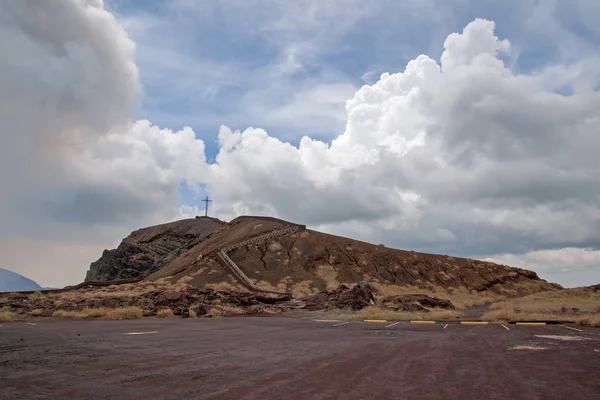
206	201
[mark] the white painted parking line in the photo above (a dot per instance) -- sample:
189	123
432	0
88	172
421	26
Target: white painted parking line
139	333
506	327
573	329
533	348
31	323
343	323
445	326
390	325
564	338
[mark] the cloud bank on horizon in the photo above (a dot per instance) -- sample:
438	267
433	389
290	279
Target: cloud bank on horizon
463	156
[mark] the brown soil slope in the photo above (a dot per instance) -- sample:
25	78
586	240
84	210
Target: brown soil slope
313	261
237	230
147	250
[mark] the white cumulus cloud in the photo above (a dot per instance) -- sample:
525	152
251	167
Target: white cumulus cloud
460	156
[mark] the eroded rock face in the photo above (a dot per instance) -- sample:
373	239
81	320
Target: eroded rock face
148	250
343	298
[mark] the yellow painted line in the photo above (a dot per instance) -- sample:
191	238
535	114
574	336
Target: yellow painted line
343	323
531	323
139	333
505	327
574	329
376	320
390	325
474	323
326	320
445	326
422	322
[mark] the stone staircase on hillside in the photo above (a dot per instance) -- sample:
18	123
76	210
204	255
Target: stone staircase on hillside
236	271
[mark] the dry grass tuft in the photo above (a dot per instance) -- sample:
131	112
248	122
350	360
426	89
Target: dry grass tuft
265	285
35	313
83	314
224	287
329	275
105	313
511	316
193	313
125	313
460	297
185	280
558	301
160	282
282	286
592	320
374	312
6	316
165	313
225	310
573	305
183	284
303	289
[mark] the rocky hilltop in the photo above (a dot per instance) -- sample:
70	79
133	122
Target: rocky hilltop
147	250
277	255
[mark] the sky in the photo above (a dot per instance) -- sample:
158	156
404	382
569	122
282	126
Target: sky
464	127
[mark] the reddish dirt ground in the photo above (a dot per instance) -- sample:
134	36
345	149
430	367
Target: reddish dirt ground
294	358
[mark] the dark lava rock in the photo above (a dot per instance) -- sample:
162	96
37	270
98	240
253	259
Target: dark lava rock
147	250
344	298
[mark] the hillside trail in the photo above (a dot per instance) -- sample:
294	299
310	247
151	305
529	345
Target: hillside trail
475	313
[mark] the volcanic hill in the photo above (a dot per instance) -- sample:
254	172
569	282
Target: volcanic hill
272	254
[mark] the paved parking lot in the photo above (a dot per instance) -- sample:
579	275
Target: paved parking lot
295	358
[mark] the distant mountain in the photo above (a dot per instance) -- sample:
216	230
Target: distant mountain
13	282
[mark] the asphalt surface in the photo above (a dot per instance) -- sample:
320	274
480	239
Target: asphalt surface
294	358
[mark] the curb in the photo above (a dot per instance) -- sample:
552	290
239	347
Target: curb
531	323
376	320
422	322
474	323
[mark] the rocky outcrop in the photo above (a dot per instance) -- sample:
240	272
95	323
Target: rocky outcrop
342	298
179	301
148	250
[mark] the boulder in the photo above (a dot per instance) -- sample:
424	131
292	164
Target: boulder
344	298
